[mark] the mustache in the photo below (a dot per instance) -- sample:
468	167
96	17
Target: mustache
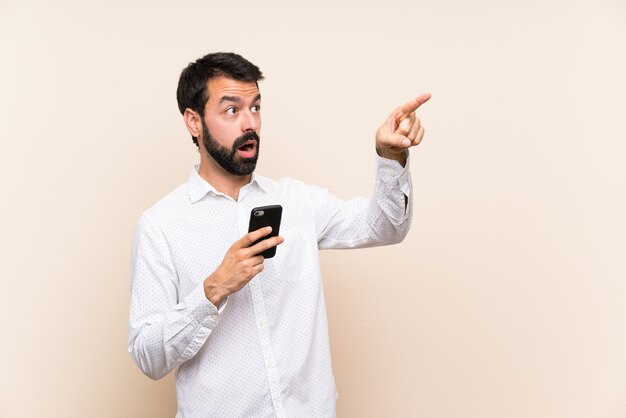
240	141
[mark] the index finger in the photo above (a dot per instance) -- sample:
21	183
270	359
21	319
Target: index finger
251	237
412	105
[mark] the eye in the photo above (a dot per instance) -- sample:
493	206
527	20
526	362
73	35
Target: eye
231	110
256	108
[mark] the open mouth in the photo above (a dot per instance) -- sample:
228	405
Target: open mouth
247	150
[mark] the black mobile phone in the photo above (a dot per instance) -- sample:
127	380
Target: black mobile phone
266	216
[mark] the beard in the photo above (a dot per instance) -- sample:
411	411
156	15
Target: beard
228	158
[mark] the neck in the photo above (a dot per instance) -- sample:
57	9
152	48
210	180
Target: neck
220	179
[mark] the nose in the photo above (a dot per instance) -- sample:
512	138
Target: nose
250	121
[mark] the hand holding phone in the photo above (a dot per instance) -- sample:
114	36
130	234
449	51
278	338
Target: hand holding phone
241	263
266	216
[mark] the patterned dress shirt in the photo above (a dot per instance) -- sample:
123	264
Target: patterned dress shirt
264	352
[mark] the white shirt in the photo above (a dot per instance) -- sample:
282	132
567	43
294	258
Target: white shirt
265	352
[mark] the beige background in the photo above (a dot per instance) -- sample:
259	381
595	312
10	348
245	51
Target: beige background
507	297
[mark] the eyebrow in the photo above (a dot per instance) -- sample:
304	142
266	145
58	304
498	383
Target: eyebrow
237	99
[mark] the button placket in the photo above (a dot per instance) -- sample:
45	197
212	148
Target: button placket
261	326
266	348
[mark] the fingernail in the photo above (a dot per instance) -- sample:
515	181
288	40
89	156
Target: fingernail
269	229
406	142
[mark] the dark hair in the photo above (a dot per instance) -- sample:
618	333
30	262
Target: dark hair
192	84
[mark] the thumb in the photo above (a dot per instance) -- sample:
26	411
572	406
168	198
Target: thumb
395	140
404	126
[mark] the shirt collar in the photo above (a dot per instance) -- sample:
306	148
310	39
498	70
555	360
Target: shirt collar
198	187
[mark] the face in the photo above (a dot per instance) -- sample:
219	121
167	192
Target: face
231	125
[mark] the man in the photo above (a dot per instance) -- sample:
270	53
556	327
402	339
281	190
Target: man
249	336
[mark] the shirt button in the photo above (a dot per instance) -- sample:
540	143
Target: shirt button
261	324
215	317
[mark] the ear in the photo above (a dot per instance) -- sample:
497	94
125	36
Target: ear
193	122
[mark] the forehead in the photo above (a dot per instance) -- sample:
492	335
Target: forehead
218	88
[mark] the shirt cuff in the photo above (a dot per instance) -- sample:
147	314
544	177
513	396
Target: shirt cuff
392	173
201	309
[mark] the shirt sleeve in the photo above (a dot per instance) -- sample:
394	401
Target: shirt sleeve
382	220
165	328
